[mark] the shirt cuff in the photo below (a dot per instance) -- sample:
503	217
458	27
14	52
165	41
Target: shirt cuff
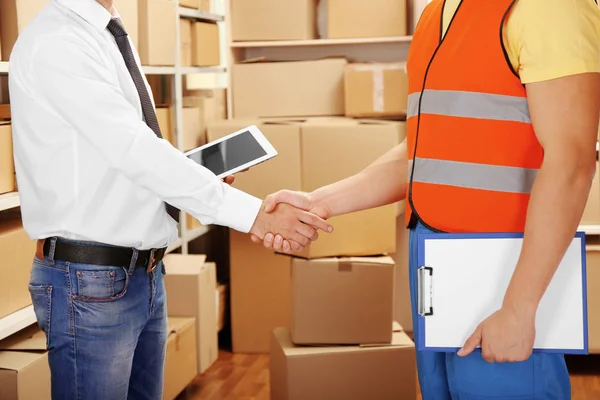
239	210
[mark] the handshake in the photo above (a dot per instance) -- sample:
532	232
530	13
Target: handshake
288	221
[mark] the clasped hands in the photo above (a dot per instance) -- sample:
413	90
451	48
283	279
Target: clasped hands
289	221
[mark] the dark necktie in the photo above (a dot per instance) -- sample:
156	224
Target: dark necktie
116	28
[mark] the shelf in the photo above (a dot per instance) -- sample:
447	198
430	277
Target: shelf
196	233
196	14
323	42
589	229
17	321
175	245
3	67
201	70
9	200
152	70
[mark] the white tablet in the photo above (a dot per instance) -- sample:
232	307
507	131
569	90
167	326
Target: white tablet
234	153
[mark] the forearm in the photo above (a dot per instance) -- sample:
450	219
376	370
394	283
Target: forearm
555	208
381	183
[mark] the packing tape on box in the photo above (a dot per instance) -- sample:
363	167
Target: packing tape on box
378	81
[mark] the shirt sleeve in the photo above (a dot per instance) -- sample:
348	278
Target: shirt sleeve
83	92
554	38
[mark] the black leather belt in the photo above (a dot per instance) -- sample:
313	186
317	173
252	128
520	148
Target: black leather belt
100	254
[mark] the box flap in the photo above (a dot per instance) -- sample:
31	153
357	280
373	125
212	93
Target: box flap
29	339
396	327
399	340
179	264
380	260
18	360
178	324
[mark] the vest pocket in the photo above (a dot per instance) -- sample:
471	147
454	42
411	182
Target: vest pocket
41	296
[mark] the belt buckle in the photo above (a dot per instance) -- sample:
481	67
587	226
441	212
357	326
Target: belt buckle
151	262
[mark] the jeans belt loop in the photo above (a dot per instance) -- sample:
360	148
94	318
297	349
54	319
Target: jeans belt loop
151	262
52	249
133	261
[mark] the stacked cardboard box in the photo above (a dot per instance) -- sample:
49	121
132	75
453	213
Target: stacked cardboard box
313	153
376	90
199	43
180	360
344	304
190	284
157	32
378	18
7	167
24	370
14	16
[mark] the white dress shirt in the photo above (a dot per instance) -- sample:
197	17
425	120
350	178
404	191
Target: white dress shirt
88	167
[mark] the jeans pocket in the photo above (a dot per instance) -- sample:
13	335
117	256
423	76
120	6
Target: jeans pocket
101	284
41	296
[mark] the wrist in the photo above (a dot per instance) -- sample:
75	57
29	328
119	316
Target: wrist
522	305
322	198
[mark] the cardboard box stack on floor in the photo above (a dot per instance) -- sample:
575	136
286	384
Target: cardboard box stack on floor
312	153
191	284
24	370
342	321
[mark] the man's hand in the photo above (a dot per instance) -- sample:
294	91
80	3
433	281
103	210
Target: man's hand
295	226
299	200
507	335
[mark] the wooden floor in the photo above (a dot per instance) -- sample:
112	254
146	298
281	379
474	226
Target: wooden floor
246	377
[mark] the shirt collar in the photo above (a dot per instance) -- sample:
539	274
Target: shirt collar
91	11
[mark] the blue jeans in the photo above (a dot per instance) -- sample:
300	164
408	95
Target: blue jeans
446	376
106	329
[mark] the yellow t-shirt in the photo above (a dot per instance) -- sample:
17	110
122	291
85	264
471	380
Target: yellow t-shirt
549	39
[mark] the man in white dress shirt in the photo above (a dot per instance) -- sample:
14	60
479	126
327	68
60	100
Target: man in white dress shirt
100	191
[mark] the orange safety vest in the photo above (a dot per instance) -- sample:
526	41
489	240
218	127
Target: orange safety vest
473	154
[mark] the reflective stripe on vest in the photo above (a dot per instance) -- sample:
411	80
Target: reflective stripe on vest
473	176
469	105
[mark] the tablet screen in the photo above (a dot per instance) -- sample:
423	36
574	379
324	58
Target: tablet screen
229	154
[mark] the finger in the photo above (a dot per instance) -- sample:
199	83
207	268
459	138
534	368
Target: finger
287	248
488	354
471	343
315	221
297	237
295	199
296	247
268	240
229	179
308	231
278	243
255	239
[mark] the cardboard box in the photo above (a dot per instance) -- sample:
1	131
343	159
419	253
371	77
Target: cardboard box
14	17
7	166
24	370
190	285
180	363
591	213
185	34
348	372
378	18
376	90
260	284
190	3
162	92
129	14
288	89
402	305
221	296
194	133
163	115
358	311
316	153
593	292
16	266
273	20
158	32
205	44
205	6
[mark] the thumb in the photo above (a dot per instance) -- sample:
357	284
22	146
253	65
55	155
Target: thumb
295	199
471	343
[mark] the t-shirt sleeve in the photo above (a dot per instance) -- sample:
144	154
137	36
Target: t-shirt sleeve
554	38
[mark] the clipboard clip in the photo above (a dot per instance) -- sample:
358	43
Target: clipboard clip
425	291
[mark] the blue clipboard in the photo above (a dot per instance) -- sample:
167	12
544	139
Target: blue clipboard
461	277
